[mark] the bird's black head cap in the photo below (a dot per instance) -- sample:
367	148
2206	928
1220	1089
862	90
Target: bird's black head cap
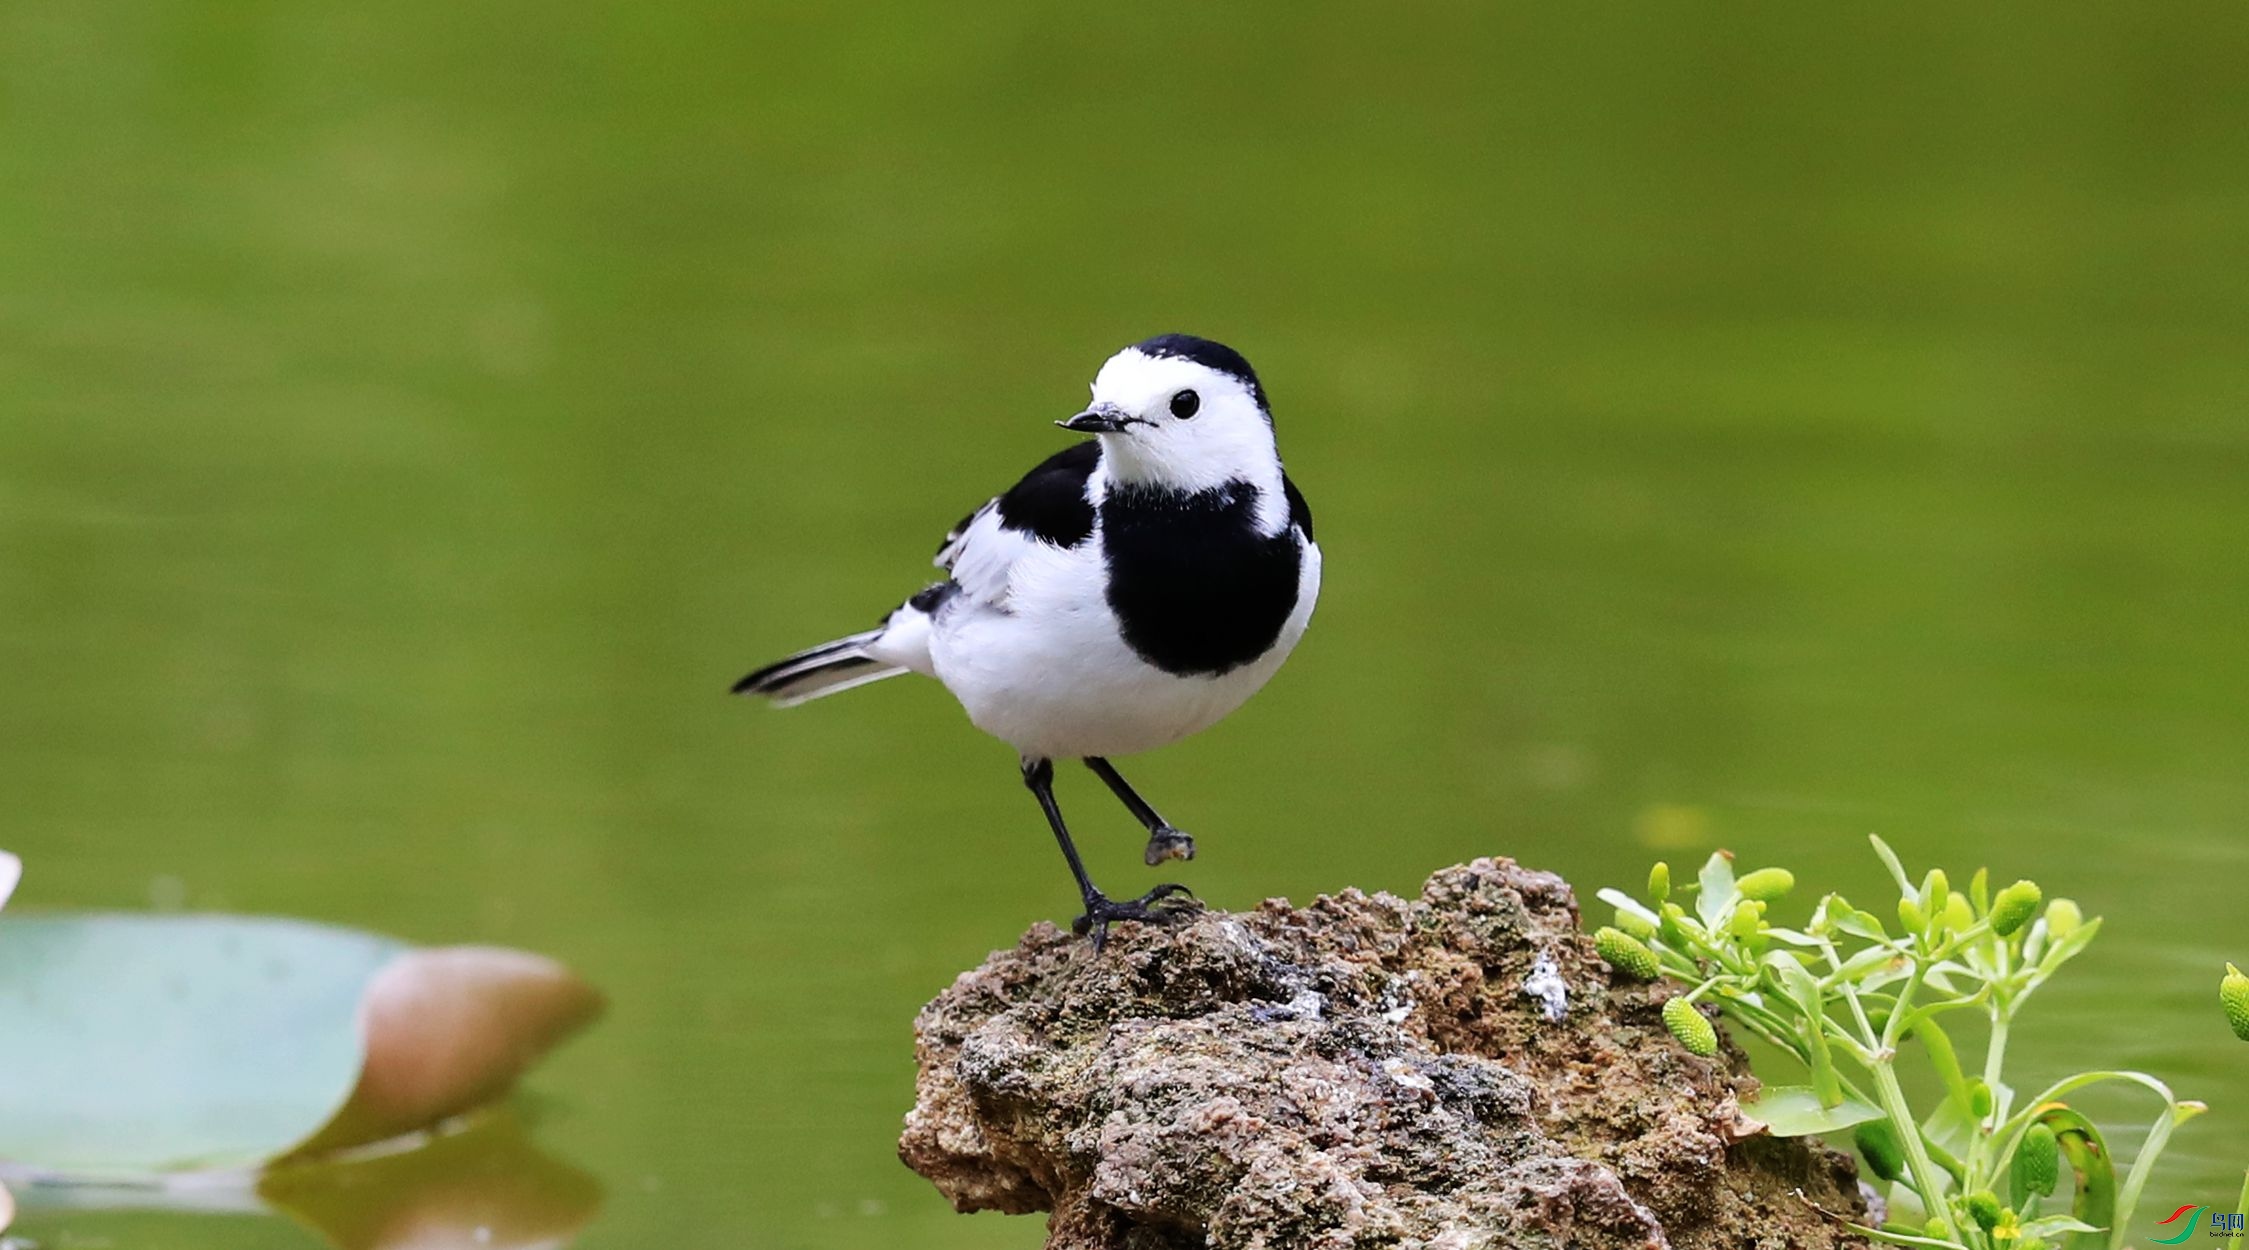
1210	355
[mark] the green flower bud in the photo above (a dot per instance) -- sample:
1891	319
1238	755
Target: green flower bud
1766	884
1910	916
1983	1207
2038	1161
1624	953
2233	991
1747	920
1659	881
1979	1099
1878	1145
2063	919
1958	916
1936	1230
1935	889
2014	907
1635	923
1688	1025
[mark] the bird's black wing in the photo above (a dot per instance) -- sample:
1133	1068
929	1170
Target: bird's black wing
1299	512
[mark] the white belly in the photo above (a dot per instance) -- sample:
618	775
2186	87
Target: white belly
1050	674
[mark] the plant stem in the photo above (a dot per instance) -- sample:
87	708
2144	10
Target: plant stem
1995	1055
1907	1128
1994	1058
1908	1133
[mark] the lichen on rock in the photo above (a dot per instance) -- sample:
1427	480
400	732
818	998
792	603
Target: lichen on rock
1361	1072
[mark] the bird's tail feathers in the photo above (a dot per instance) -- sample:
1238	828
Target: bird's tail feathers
822	670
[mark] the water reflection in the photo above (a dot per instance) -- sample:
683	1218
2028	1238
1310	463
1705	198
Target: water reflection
486	1185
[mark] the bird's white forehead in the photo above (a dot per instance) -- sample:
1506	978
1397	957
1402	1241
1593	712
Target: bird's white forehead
1132	378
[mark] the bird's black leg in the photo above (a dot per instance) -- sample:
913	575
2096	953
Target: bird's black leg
1156	905
1164	841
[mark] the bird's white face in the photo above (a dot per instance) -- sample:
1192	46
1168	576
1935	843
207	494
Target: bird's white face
1178	424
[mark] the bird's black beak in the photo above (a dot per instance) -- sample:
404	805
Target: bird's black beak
1101	420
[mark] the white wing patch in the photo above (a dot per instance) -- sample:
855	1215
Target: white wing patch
982	556
950	550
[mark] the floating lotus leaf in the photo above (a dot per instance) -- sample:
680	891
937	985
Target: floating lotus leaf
138	1044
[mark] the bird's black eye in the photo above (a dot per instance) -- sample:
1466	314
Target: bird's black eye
1186	404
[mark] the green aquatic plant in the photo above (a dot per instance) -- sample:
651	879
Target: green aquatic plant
1850	994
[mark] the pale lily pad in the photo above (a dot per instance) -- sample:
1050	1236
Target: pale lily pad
143	1044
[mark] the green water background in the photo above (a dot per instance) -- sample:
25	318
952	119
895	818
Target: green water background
1753	426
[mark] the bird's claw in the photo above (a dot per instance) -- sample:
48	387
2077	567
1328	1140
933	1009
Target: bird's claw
1165	842
1168	903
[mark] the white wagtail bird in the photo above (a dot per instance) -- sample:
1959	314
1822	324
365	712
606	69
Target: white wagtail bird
1128	592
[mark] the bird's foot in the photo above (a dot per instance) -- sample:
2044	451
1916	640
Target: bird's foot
1165	842
1166	904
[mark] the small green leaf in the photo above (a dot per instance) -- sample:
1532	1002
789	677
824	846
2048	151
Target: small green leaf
1795	1111
1951	1125
1896	1236
1937	1044
2048	1225
2063	948
1716	902
1804	991
1866	961
1890	861
1791	937
1625	902
1861	924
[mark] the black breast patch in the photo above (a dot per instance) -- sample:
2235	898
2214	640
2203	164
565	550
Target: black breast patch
1196	589
1049	503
